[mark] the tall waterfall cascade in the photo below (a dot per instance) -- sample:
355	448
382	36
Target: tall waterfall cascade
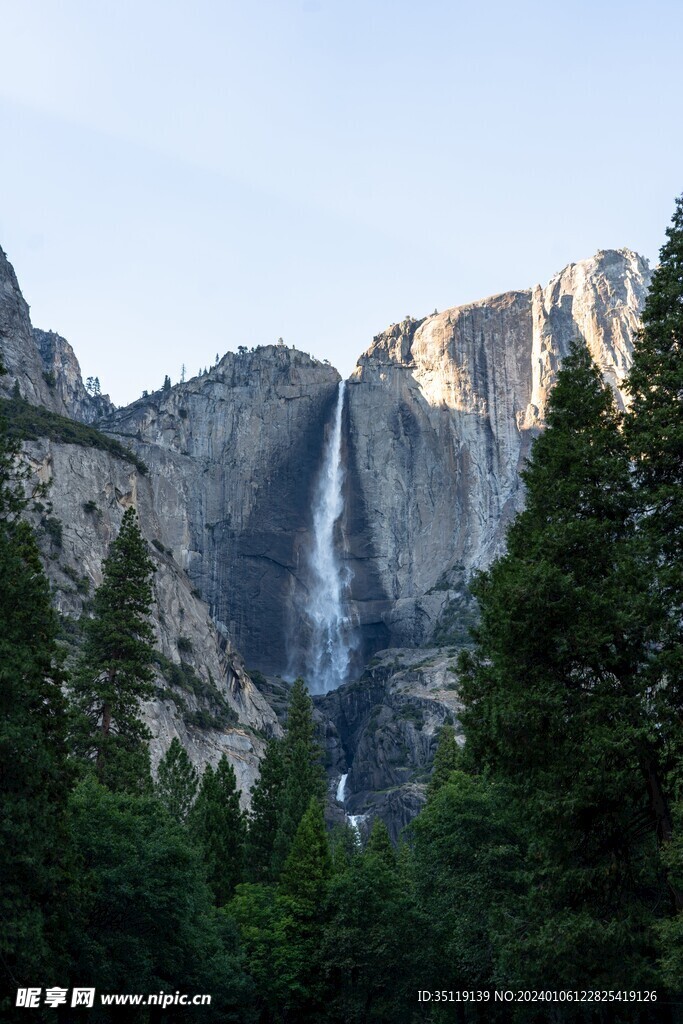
331	625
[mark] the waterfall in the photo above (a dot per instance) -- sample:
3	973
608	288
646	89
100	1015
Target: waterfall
341	789
331	627
354	820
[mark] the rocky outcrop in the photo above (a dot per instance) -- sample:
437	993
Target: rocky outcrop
62	374
441	415
41	364
598	300
382	730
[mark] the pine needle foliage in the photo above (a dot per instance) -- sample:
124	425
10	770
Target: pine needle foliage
114	673
654	427
217	825
555	692
177	781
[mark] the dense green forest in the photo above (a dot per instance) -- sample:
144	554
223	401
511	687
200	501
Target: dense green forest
549	856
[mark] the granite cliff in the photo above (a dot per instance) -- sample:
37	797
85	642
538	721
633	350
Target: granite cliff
441	414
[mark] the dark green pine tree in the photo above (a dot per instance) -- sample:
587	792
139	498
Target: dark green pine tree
150	923
308	865
467	866
114	672
217	823
291	774
556	703
446	760
379	844
654	427
655	420
303	892
281	927
369	956
304	777
177	781
34	776
266	796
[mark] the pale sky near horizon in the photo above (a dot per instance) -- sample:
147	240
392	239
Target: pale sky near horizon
178	179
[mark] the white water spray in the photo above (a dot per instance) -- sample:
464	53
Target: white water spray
331	627
341	789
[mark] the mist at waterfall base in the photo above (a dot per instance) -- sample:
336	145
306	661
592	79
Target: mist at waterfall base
327	660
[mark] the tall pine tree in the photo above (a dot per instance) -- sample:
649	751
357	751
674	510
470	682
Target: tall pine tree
266	797
217	824
555	692
115	667
654	428
303	773
446	760
291	774
177	781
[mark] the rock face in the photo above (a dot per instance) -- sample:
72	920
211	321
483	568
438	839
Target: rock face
233	458
441	415
382	730
41	363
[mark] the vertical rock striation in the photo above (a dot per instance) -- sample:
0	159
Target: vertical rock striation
441	416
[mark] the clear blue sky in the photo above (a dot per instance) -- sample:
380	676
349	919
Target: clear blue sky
178	179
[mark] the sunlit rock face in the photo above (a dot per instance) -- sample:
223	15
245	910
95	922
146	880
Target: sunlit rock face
441	415
599	300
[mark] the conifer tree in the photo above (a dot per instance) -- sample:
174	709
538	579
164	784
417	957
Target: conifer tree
114	672
308	866
303	892
304	778
177	781
344	846
655	421
266	796
218	826
467	867
291	774
655	432
150	922
33	757
654	427
446	760
555	697
379	843
368	953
